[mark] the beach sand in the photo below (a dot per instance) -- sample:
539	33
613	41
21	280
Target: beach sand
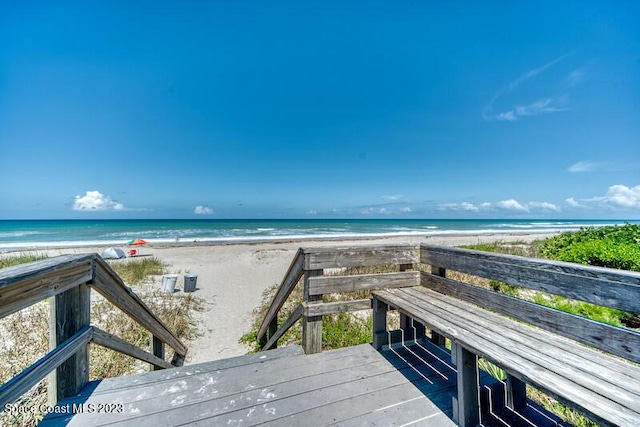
232	278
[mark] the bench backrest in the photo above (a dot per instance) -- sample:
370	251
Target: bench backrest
601	286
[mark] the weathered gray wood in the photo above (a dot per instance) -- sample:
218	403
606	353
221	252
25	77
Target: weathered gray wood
361	282
21	383
69	313
27	284
320	309
339	257
263	394
290	280
520	361
113	342
293	318
602	286
622	342
379	323
311	325
157	349
109	284
584	366
467	411
436	338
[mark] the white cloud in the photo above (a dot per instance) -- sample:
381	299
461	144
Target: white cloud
96	201
510	205
623	196
545	206
576	77
313	212
372	211
393	197
617	197
583	166
203	210
405	209
548	105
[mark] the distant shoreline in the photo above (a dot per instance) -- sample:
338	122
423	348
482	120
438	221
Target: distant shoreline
427	237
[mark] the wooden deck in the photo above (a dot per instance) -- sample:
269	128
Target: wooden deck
351	386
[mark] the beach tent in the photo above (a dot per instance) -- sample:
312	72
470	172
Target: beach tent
113	253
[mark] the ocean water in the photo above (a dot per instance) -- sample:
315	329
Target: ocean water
28	234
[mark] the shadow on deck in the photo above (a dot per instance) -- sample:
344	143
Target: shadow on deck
407	385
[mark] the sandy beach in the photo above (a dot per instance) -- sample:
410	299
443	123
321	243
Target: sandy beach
232	277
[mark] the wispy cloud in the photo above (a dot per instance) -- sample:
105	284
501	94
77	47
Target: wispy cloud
393	197
312	212
505	205
549	104
584	166
96	201
203	210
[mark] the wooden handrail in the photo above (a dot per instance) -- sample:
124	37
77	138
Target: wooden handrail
67	276
290	280
310	263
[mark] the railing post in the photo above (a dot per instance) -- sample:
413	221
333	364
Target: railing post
412	329
466	409
312	325
157	349
436	338
380	336
69	311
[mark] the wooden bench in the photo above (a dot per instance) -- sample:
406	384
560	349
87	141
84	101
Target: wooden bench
602	386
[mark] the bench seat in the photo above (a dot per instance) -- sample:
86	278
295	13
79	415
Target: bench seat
605	387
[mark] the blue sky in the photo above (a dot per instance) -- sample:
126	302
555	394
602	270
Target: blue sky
320	109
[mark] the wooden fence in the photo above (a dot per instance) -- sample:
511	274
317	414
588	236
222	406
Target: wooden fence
67	282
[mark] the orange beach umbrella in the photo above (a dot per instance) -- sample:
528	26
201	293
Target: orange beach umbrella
138	241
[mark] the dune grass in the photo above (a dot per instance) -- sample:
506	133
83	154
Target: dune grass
24	335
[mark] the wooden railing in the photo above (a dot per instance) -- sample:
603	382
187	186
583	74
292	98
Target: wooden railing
308	267
67	280
605	287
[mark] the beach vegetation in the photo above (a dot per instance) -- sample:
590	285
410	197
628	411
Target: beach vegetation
135	271
24	336
23	258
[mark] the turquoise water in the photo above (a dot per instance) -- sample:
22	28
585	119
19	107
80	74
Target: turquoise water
44	233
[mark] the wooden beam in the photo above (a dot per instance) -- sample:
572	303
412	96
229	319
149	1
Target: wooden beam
157	349
290	280
26	284
379	323
113	342
293	318
339	257
602	286
21	383
361	282
109	284
311	325
516	394
69	313
622	342
320	309
468	403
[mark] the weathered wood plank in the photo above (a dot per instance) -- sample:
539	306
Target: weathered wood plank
113	342
109	284
27	284
514	359
290	280
467	406
157	349
69	313
293	318
21	383
311	325
615	340
339	257
361	282
320	309
593	370
602	286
